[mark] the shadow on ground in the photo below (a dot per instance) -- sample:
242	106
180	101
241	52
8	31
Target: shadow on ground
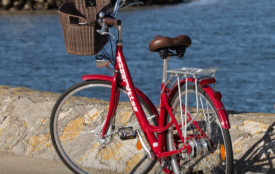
260	157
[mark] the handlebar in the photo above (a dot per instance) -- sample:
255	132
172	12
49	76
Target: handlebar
104	20
110	21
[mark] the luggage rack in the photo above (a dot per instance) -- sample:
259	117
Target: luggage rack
189	72
193	71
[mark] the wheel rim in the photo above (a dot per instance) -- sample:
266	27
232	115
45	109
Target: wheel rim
212	163
116	157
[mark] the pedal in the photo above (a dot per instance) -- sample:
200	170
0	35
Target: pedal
127	133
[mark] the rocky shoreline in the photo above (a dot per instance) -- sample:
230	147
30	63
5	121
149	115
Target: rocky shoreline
25	117
17	5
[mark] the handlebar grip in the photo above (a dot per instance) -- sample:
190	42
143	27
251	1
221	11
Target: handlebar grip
110	21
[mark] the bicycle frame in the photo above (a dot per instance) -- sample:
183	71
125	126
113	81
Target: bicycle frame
122	77
179	136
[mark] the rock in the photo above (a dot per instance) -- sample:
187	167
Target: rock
28	7
40	6
24	121
24	129
253	127
18	5
7	4
39	1
59	3
253	141
52	4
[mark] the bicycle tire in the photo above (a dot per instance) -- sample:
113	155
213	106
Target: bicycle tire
221	159
81	152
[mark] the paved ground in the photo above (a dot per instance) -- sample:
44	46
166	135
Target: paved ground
12	164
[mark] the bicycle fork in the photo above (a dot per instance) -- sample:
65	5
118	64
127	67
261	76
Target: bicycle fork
112	106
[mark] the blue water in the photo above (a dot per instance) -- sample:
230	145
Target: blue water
236	36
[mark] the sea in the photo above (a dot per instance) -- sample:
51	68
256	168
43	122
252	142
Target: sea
237	36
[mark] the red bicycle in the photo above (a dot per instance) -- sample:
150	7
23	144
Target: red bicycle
107	125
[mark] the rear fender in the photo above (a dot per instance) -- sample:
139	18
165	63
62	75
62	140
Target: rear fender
219	107
211	93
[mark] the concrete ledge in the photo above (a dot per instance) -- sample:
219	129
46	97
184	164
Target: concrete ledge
24	122
24	130
253	140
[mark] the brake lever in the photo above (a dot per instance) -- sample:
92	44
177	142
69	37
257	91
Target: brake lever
105	33
103	29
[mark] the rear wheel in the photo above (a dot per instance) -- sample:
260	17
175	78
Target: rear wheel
77	120
212	153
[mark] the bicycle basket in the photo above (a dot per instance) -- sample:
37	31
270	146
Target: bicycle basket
79	23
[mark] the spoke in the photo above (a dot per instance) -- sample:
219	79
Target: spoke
64	139
125	162
81	133
72	137
101	160
92	164
217	162
114	155
80	104
108	161
131	151
207	121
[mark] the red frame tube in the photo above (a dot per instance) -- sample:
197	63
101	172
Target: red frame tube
124	79
113	104
133	98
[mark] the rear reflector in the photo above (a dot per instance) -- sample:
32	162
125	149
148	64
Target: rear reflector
218	95
207	81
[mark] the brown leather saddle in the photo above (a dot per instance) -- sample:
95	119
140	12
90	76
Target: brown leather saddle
179	43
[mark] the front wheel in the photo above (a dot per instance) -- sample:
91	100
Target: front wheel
76	121
211	144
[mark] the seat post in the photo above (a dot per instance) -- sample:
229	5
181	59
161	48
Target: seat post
164	69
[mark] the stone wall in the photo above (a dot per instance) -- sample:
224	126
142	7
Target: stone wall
24	130
54	4
253	140
24	121
30	4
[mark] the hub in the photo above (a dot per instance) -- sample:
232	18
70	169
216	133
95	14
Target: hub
108	136
200	148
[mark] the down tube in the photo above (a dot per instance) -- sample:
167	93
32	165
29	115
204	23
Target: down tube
125	74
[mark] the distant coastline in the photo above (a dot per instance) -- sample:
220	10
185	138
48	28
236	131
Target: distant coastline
44	5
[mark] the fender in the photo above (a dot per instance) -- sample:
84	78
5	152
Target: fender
121	83
217	103
219	107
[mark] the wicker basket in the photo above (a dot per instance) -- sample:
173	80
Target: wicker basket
82	39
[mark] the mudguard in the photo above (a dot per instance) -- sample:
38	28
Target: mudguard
217	103
219	107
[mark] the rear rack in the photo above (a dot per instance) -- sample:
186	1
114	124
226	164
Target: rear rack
188	72
193	71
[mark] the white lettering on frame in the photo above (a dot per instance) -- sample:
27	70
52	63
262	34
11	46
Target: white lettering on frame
129	91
